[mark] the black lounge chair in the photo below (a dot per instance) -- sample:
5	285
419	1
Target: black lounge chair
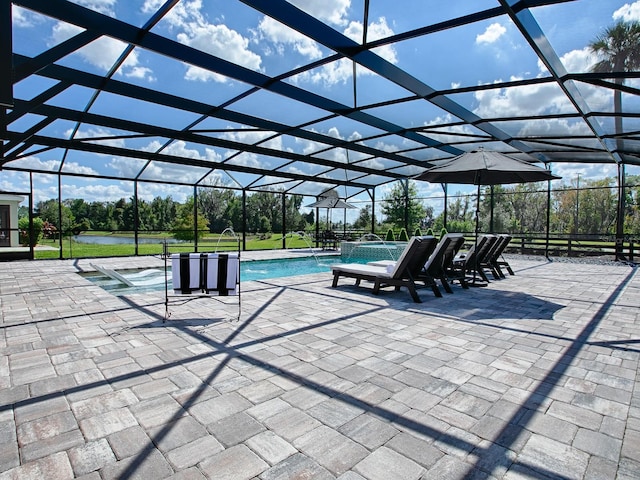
403	273
437	268
434	268
498	259
485	261
465	267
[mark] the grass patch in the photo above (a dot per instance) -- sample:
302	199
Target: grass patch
74	249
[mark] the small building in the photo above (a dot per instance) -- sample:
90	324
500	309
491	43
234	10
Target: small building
9	233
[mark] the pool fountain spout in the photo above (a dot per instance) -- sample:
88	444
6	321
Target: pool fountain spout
233	234
306	239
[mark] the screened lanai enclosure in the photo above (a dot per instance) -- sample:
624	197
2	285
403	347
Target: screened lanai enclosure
108	99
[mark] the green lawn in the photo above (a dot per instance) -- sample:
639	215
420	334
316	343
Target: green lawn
73	249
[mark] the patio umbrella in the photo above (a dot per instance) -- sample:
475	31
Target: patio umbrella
481	167
329	199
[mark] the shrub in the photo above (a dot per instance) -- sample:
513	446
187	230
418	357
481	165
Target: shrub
403	237
390	237
430	232
23	226
417	233
443	232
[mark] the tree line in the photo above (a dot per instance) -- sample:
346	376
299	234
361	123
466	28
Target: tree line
217	209
579	208
585	208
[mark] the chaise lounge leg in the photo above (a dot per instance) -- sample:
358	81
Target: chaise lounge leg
497	269
414	293
445	285
483	275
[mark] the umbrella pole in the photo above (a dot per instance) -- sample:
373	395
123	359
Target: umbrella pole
477	229
475	282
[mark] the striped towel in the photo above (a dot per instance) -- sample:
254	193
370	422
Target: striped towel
221	273
211	273
185	272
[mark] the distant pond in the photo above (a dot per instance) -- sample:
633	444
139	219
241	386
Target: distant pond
115	240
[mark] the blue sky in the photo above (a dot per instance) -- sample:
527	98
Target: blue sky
479	53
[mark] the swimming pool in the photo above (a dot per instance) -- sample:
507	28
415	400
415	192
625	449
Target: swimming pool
253	270
285	267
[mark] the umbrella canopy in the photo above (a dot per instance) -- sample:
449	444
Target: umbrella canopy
331	203
330	199
481	167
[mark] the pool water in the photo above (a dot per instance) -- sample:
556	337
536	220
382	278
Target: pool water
249	271
265	269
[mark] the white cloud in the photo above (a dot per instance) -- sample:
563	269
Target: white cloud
35	163
543	98
179	149
575	61
142	73
628	12
74	167
309	146
569	171
14	182
255	137
22	17
52	165
105	7
176	192
181	15
448	134
99	192
282	35
218	40
331	74
491	34
126	167
252	137
330	11
387	147
102	52
222	42
341	70
98	132
517	101
375	31
172	172
168	171
245	159
555	127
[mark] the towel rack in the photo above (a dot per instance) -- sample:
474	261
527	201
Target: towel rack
194	275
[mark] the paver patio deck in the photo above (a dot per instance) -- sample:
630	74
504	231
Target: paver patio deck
534	376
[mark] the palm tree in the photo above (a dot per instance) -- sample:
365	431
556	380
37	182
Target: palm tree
618	49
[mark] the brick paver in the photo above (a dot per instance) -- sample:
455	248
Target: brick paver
533	376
